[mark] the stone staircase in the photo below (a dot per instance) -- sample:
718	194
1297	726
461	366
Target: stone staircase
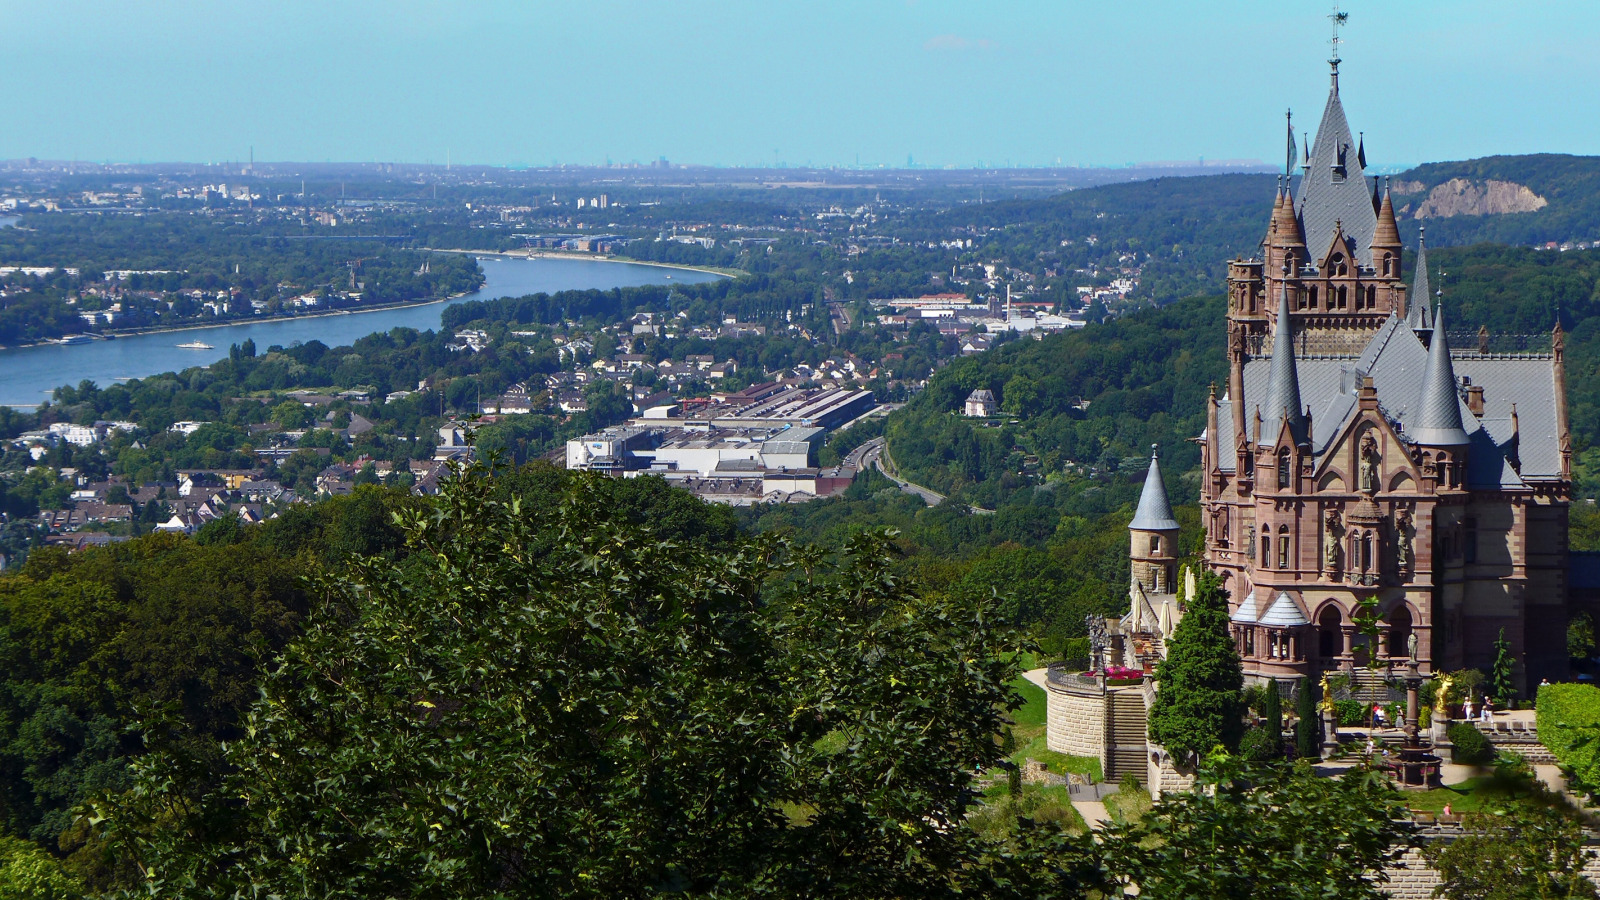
1127	749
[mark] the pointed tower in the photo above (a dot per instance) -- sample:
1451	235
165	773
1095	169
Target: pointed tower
1438	418
1283	383
1153	535
1386	246
1334	188
1421	294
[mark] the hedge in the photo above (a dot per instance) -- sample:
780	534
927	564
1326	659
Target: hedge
1569	724
1468	745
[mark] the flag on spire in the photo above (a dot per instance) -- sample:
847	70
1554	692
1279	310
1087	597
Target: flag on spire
1288	162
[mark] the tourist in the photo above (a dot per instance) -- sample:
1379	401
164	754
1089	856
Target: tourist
1488	708
1543	682
1466	709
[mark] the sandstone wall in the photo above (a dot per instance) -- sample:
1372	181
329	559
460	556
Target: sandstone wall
1076	722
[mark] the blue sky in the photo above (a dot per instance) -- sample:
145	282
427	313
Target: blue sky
528	82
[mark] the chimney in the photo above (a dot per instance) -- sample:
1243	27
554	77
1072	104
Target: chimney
1474	396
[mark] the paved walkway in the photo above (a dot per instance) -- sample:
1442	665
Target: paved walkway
1094	813
1037	676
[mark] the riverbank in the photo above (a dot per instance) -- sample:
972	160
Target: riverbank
593	257
253	320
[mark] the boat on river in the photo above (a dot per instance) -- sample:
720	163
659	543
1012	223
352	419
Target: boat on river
196	345
75	339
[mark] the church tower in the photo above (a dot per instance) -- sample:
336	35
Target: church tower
1153	536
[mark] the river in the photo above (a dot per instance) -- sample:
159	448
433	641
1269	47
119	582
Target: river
29	374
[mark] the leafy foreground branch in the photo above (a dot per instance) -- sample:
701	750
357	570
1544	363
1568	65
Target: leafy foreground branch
577	708
567	705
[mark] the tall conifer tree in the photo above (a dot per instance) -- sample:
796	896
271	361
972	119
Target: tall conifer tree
1198	705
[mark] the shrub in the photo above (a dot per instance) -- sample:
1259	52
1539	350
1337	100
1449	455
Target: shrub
1471	747
1569	724
1257	745
1307	736
1351	712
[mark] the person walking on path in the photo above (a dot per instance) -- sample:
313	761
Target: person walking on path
1488	709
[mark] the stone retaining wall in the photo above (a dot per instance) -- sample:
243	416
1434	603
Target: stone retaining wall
1411	878
1076	720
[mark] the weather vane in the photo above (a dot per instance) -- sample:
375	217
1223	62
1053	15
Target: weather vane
1337	18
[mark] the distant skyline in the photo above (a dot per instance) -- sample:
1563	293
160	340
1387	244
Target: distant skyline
524	82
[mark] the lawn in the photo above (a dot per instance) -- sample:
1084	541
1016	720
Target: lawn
1477	794
1029	732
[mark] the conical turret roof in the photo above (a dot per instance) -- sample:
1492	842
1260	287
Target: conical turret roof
1417	314
1155	510
1283	382
1286	226
1439	412
1334	192
1387	233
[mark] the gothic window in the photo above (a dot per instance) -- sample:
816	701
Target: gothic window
1283	546
1341	297
1266	548
1336	264
1312	292
1372	297
1300	299
1284	463
1366	551
1388	264
1469	540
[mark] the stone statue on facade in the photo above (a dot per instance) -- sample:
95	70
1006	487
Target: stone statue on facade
1331	533
1404	532
1411	645
1369	464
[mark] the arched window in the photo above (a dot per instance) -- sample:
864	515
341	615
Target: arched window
1399	631
1313	297
1155	544
1388	264
1366	551
1330	641
1340	297
1372	297
1266	550
1283	546
1336	264
1284	470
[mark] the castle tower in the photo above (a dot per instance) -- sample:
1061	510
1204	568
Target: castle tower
1153	535
1422	496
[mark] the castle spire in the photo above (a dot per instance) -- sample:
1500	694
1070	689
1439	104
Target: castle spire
1387	235
1439	412
1334	188
1283	382
1155	510
1417	315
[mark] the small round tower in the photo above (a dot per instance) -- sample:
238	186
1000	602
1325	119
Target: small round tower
1153	535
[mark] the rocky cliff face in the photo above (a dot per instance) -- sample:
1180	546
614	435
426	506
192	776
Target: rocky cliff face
1460	197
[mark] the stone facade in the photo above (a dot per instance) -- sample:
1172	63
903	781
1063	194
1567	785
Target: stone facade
1411	878
1075	721
1357	460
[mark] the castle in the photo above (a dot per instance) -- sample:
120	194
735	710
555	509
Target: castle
1365	463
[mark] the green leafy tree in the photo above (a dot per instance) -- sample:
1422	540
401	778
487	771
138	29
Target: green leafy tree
1501	682
562	704
1307	727
1580	635
1517	851
1262	831
28	873
1273	717
1199	705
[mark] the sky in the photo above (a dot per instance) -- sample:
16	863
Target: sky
791	82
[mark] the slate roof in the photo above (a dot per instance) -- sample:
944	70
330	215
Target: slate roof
1284	613
1420	299
1155	510
1397	362
1334	193
1438	420
1246	613
1282	400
